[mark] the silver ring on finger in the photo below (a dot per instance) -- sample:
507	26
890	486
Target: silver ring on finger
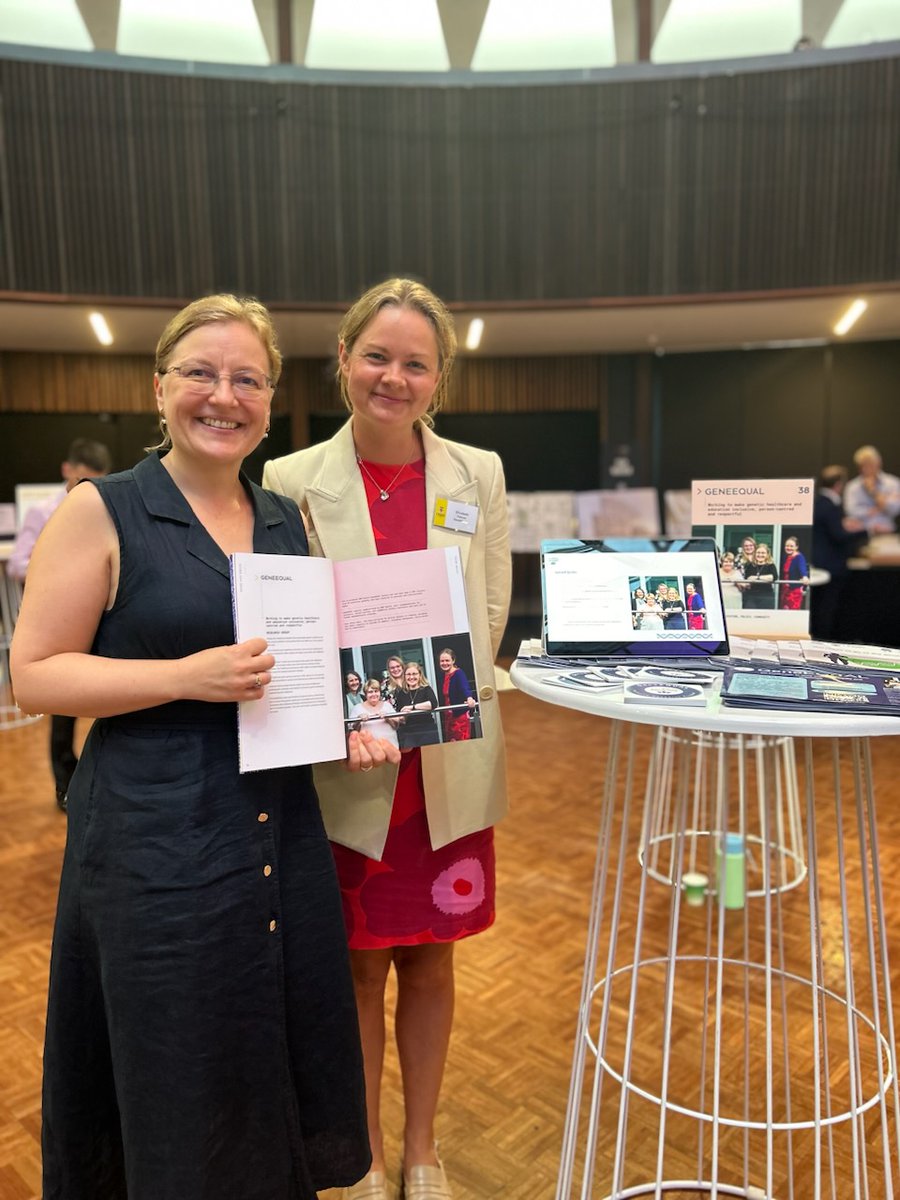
257	682
368	768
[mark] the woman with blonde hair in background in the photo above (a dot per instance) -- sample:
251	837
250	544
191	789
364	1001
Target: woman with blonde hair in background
393	678
759	579
414	846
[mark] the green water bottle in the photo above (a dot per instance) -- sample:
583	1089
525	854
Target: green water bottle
733	871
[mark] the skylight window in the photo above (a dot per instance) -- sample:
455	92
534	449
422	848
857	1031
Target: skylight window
860	22
534	35
377	35
224	31
54	23
698	30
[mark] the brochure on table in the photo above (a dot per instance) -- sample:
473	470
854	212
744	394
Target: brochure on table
313	613
769	597
810	688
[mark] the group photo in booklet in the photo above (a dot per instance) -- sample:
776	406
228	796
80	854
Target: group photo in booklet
413	691
632	597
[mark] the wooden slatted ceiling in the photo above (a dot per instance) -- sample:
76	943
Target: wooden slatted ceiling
150	185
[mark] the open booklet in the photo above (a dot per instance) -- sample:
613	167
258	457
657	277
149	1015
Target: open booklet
335	627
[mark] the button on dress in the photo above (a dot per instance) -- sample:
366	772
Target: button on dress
202	1038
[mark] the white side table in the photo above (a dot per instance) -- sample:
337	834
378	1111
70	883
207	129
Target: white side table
734	1051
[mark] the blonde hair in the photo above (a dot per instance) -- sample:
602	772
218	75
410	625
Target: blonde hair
387	666
403	293
864	453
768	550
211	310
423	679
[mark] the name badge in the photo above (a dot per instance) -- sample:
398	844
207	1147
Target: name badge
454	514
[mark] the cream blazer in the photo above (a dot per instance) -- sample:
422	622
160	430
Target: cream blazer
465	782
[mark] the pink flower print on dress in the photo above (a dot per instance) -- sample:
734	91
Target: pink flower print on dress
460	888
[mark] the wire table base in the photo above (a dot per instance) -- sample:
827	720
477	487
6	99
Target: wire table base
745	1050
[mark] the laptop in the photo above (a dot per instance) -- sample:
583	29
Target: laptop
632	598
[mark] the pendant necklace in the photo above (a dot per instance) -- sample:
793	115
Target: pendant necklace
384	493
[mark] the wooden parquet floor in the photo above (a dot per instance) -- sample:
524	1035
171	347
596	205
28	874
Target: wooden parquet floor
504	1098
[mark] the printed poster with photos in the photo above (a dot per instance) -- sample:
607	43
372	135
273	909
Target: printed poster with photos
763	528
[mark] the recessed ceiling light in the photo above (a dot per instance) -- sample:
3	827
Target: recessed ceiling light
474	332
101	329
850	317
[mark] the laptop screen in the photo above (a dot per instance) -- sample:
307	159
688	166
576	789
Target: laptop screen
624	597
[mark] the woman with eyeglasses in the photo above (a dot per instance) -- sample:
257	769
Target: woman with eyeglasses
202	1037
414	845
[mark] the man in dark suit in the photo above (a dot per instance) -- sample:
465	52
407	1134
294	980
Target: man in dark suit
835	539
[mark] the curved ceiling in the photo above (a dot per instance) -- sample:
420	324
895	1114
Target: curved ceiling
447	35
480	37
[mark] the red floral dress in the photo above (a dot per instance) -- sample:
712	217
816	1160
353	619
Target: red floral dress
414	895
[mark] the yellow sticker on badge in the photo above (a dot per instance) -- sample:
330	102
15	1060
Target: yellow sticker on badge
440	511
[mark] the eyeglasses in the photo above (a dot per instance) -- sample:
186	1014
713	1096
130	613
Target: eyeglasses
202	381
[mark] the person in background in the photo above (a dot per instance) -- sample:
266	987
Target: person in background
760	577
731	582
416	702
394	668
86	459
414	846
201	1038
673	606
746	554
696	616
638	599
794	568
354	694
651	614
457	691
378	716
873	497
835	539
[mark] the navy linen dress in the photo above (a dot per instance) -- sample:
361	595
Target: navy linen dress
202	1038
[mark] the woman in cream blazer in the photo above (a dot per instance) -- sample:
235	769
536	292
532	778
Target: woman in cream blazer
396	348
463	792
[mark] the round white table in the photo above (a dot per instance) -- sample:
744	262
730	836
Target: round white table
735	1037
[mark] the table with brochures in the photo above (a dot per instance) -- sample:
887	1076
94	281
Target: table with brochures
735	1035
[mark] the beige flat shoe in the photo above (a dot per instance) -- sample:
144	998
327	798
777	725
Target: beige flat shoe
426	1183
373	1186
